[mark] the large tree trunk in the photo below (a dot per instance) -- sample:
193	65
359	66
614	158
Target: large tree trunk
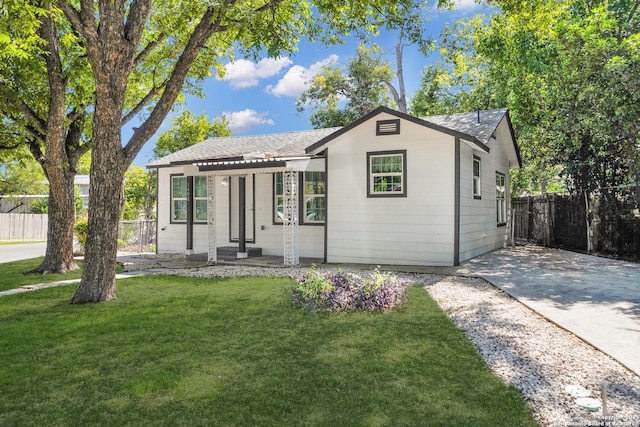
108	166
58	165
59	254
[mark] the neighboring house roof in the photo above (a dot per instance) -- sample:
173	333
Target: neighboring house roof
291	144
288	144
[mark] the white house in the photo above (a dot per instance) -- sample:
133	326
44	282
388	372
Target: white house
387	189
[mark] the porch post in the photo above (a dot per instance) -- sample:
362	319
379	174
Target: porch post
242	217
190	215
212	256
290	218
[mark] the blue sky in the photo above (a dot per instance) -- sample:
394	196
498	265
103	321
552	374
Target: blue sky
259	97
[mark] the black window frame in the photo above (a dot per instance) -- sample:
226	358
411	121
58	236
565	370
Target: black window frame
370	155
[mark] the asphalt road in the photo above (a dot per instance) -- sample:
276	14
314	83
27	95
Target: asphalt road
20	251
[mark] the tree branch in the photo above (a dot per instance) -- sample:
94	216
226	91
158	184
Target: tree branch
143	103
73	16
36	122
136	20
148	49
10	147
198	39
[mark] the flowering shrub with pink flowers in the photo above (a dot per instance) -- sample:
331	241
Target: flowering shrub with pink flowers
337	291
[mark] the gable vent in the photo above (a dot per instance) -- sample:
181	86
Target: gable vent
388	127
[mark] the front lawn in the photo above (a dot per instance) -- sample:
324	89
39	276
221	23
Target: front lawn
12	274
194	352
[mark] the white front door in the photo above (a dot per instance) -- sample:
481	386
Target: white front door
234	205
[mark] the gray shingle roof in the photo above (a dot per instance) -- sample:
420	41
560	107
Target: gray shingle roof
467	123
292	144
276	145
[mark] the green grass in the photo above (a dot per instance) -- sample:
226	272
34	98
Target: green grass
13	274
173	351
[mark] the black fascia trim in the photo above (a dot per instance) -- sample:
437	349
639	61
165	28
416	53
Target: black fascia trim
513	137
326	203
257	165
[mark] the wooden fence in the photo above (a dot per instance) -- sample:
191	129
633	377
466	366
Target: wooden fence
23	227
597	223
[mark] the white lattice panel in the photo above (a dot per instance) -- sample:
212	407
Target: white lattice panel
290	220
211	218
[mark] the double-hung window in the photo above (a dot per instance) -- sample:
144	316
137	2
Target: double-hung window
501	202
200	198
278	197
314	185
477	180
178	198
312	199
387	174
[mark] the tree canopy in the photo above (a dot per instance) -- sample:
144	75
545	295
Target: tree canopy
568	70
186	130
339	95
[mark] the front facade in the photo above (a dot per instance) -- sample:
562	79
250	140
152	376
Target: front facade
387	189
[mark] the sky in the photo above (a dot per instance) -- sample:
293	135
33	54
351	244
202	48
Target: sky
258	97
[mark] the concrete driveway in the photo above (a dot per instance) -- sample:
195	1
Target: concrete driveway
598	299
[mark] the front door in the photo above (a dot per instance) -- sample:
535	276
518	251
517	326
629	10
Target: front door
234	206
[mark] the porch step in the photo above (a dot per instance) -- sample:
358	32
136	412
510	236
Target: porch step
225	252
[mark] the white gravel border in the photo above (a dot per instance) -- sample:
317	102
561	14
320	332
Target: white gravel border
524	349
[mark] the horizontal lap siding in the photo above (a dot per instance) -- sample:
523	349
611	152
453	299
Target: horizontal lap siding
271	239
417	229
172	238
479	232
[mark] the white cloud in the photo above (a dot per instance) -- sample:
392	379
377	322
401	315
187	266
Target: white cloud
243	120
465	5
297	78
244	73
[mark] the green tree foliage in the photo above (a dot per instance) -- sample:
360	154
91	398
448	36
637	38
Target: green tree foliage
46	93
339	95
139	193
569	72
22	177
186	130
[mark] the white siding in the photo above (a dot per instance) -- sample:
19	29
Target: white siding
412	230
479	232
268	236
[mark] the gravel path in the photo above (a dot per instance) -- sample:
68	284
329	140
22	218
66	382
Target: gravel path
524	349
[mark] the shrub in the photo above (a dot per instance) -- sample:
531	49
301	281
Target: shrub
80	229
331	291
